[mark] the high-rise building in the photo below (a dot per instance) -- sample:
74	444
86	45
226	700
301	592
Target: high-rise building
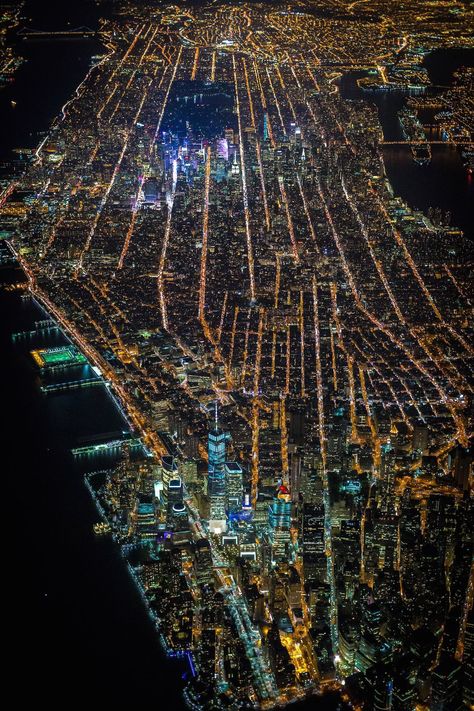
420	437
312	530
403	696
223	149
446	691
279	523
265	127
233	486
216	452
216	479
468	661
460	459
169	471
150	190
145	518
174	498
178	518
383	694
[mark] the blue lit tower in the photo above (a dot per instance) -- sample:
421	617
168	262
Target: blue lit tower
216	489
265	127
279	523
234	487
216	451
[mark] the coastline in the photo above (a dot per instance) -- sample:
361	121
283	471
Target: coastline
64	330
325	700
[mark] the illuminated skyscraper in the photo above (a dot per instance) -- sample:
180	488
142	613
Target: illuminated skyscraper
174	498
178	520
265	127
312	541
468	658
216	489
446	692
233	486
169	471
279	523
216	451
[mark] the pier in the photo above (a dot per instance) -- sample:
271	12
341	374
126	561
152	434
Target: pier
58	358
69	385
110	446
41	328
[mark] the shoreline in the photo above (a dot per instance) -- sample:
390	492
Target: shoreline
65	330
319	695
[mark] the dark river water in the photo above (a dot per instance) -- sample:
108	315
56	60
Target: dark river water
81	634
444	183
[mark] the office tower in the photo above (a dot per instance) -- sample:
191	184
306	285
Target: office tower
372	647
295	474
203	566
174	498
446	689
216	481
265	127
279	523
223	149
420	437
216	450
460	460
383	692
312	542
296	427
145	518
150	190
403	696
233	486
313	529
348	643
178	518
468	661
280	660
169	470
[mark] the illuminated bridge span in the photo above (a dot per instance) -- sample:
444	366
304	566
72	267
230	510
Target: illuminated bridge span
28	33
431	143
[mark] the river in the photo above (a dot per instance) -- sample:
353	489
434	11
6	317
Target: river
444	183
81	633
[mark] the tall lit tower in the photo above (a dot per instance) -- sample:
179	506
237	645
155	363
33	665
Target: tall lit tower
279	523
216	477
265	127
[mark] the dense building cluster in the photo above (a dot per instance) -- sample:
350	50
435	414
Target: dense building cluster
212	224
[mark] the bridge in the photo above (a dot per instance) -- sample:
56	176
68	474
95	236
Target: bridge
77	33
431	143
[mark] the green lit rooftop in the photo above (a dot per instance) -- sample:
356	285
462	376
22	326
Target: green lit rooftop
57	356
